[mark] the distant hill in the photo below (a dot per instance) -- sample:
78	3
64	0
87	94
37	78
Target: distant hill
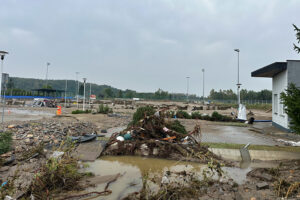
22	86
31	83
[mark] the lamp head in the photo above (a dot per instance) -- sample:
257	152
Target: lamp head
2	54
237	50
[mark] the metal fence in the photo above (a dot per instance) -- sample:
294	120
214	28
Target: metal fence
250	101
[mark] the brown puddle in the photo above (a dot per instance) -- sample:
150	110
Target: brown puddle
132	168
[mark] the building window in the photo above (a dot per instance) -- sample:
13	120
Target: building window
275	103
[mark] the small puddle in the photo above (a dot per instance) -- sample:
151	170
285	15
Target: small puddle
133	168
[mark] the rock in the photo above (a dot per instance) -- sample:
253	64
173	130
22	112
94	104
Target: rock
238	196
3	169
262	186
57	154
30	136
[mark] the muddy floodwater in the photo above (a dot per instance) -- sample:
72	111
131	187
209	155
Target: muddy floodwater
133	168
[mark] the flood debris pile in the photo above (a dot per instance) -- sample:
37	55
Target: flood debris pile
282	181
41	102
187	184
28	156
154	136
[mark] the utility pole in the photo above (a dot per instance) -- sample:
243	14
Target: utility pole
238	77
83	107
77	90
203	86
187	88
2	55
47	75
66	93
90	95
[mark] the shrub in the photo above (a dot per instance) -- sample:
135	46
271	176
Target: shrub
196	115
141	112
5	142
218	117
104	109
177	126
291	101
80	111
183	114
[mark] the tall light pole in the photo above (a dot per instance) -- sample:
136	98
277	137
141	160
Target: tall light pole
77	90
203	85
90	95
2	55
238	77
83	107
47	75
187	88
66	93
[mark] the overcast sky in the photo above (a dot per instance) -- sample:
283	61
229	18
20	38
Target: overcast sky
148	44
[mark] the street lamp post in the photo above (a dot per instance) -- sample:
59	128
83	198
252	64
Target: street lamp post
66	93
238	77
2	55
83	107
203	86
90	95
77	90
47	75
187	88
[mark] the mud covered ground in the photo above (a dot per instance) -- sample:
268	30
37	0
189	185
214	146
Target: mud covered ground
26	157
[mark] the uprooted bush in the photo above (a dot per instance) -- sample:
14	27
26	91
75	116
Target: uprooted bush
176	126
56	175
5	142
183	114
104	109
196	115
218	117
81	111
141	112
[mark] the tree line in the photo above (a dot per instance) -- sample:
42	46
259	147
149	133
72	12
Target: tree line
245	95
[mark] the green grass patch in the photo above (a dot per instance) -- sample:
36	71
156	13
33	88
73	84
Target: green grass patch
81	111
252	147
5	142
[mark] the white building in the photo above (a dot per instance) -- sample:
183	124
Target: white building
282	73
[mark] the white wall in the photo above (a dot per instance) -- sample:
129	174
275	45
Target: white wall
279	84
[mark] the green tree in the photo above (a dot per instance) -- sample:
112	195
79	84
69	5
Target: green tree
120	94
297	49
47	86
108	92
291	100
81	89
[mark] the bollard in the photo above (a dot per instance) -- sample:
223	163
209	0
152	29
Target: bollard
58	111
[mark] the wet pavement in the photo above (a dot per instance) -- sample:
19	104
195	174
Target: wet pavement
235	135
